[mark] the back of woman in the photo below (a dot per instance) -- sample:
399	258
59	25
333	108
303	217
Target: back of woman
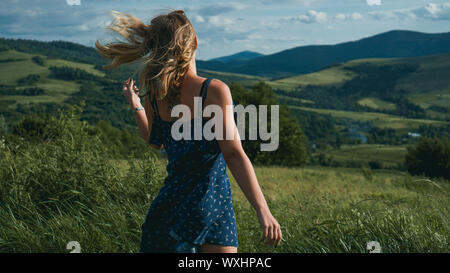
193	211
194	204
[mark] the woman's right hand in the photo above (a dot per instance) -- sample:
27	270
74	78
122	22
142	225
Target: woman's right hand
270	228
131	93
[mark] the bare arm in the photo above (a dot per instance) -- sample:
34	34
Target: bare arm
240	165
144	119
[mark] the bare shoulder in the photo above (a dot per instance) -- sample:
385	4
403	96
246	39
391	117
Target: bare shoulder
219	92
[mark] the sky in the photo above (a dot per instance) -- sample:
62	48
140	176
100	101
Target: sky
227	27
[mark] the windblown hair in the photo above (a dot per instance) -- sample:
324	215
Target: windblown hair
165	46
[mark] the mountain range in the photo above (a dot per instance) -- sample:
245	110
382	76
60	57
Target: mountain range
240	56
285	63
307	59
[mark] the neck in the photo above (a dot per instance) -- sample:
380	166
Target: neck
192	71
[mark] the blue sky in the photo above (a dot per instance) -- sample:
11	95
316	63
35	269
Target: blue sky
227	27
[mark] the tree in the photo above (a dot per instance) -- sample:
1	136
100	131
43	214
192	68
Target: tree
292	149
429	156
38	60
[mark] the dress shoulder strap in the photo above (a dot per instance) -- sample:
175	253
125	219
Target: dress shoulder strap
204	91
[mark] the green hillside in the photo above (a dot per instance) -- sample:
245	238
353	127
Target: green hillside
229	78
375	100
387	154
375	103
416	87
378	119
329	76
427	86
16	65
432	75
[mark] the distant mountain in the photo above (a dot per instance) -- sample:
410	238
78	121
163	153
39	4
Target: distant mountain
56	49
307	59
241	56
286	63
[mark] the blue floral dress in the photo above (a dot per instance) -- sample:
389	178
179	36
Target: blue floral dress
194	205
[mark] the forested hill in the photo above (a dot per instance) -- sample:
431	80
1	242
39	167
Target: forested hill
240	56
307	59
380	99
57	49
298	60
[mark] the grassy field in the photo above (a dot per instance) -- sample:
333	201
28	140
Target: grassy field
340	210
246	80
320	210
429	85
389	155
55	91
70	189
292	99
425	100
378	119
431	75
376	103
20	65
330	76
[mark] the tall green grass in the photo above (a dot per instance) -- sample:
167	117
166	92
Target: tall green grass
67	188
341	210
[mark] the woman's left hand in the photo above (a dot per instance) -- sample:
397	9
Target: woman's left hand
131	93
270	227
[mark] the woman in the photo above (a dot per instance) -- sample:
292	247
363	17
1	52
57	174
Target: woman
193	211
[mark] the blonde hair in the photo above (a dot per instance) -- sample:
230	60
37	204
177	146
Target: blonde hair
165	46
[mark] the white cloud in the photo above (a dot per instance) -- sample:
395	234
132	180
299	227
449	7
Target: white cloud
219	21
356	16
392	14
351	16
73	2
216	8
199	19
373	2
434	11
430	11
313	16
32	20
83	27
340	16
290	2
310	17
